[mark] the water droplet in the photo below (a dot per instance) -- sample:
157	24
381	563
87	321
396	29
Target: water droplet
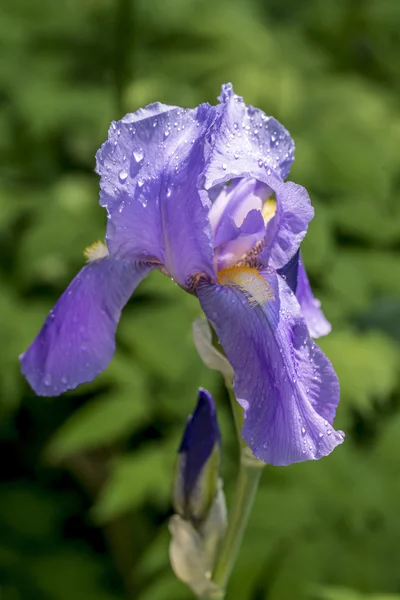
260	162
123	175
137	155
166	133
47	379
224	166
329	431
321	435
303	431
136	162
235	125
64	380
236	155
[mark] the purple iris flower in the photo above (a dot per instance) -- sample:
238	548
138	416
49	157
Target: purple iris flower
197	472
200	194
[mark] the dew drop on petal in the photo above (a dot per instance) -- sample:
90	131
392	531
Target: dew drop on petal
224	166
47	379
137	155
136	162
123	175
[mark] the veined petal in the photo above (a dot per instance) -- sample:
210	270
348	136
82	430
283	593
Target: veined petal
77	340
286	385
149	170
316	321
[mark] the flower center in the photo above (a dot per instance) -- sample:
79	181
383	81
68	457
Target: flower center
238	218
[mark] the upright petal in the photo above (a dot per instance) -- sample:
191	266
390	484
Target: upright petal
235	200
316	321
235	241
286	385
77	340
288	227
246	142
149	169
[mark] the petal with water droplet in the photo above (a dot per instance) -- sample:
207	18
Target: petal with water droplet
77	340
164	216
274	361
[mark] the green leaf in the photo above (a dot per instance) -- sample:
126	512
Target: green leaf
100	422
135	478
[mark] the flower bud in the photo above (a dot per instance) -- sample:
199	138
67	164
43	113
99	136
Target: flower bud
196	478
200	523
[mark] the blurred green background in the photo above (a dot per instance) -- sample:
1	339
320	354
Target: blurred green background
85	478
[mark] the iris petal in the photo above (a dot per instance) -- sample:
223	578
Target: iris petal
149	170
77	340
287	229
286	385
316	321
247	143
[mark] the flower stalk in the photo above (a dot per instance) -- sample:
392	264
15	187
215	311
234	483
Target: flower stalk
249	475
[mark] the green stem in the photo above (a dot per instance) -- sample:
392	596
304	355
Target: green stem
246	487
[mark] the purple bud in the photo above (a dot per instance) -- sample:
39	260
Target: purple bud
196	480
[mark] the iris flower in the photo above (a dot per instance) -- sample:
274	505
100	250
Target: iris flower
200	194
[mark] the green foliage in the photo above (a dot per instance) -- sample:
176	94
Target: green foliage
86	478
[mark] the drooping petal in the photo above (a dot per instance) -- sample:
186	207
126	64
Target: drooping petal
77	340
316	321
286	385
149	169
